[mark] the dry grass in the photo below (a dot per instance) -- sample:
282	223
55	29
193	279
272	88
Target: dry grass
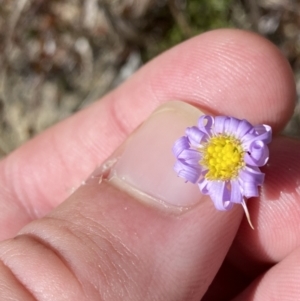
58	56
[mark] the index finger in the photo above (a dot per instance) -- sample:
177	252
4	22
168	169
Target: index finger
225	72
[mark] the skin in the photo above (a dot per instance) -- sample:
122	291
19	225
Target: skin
74	251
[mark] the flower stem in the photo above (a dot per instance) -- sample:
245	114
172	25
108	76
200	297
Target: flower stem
247	213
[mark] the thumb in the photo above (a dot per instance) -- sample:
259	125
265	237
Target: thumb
133	231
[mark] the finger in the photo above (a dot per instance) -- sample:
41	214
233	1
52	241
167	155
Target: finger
134	231
281	282
228	283
225	71
276	214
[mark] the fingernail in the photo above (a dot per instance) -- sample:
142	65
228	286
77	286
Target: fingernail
143	166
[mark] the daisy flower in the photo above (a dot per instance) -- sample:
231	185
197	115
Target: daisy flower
222	155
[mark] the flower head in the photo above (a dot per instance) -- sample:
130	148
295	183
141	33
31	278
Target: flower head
222	155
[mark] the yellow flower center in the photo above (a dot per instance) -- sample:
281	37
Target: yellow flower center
223	156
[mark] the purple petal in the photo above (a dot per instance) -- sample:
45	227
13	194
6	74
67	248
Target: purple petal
190	156
179	145
227	192
243	128
220	124
264	133
232	125
236	195
261	133
195	136
204	185
187	172
248	139
250	189
251	174
219	195
258	154
205	123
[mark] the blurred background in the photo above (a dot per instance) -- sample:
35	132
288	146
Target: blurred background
58	56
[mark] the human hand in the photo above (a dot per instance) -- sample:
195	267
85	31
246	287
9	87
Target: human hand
113	239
